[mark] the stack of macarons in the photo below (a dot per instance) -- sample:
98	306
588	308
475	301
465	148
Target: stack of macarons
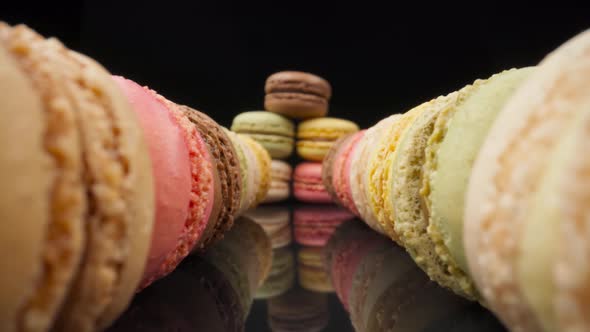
315	138
211	291
110	189
292	95
298	310
383	290
485	188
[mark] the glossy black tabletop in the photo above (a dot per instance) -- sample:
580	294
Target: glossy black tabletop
202	295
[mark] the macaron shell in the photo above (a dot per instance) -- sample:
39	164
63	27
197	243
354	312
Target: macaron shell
359	175
457	152
380	172
263	123
44	173
122	192
529	124
228	171
298	81
201	190
411	211
308	186
328	165
264	163
343	185
171	169
311	150
244	170
539	247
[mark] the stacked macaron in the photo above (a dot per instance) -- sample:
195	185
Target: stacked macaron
298	310
484	189
383	290
112	187
297	96
211	291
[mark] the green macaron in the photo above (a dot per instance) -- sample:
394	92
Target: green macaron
274	132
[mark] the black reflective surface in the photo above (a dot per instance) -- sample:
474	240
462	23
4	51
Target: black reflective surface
203	294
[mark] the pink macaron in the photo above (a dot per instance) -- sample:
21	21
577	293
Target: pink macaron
184	179
341	172
315	224
307	184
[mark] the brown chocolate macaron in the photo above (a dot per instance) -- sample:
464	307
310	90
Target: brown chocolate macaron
228	175
297	95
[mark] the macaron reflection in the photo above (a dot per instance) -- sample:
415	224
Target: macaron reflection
384	290
208	292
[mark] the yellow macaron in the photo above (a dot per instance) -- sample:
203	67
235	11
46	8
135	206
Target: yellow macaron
316	136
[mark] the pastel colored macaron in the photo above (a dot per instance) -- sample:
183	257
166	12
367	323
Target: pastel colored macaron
458	130
281	174
314	225
312	271
281	277
276	222
525	236
183	170
71	184
378	171
228	180
316	136
336	173
297	95
263	162
307	184
359	177
274	132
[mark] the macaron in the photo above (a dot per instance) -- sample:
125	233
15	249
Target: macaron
276	222
359	179
529	286
297	95
281	277
227	174
328	166
280	174
378	171
314	225
183	173
80	183
274	132
316	136
312	271
341	169
451	149
263	164
299	310
307	184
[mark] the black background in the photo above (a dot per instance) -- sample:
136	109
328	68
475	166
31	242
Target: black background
381	58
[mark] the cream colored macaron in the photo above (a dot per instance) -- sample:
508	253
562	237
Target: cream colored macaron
507	189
